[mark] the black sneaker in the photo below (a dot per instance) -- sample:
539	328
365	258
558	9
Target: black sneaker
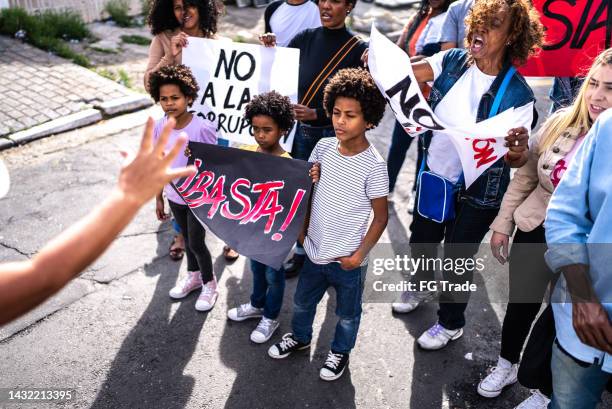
334	366
293	266
284	348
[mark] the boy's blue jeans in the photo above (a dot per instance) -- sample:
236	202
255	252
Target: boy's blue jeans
268	289
314	280
575	385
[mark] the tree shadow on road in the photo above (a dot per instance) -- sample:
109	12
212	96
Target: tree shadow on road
148	369
293	382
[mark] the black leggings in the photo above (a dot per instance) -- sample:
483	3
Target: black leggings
198	256
529	278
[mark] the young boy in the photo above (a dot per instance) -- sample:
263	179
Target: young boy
352	182
271	116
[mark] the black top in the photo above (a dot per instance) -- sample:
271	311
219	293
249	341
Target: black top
317	47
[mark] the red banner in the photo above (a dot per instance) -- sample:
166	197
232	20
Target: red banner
576	31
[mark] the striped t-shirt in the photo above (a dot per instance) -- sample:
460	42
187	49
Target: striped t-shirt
341	205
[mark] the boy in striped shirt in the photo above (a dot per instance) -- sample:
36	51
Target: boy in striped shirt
353	181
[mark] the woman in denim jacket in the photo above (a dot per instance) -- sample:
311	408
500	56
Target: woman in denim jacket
524	207
466	82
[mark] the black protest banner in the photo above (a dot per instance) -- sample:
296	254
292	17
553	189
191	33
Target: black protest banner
254	202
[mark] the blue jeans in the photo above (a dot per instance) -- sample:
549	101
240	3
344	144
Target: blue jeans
315	279
268	289
575	385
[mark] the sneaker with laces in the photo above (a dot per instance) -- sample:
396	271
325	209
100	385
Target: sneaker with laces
334	366
208	296
500	376
264	330
244	312
191	282
437	337
410	300
537	400
287	346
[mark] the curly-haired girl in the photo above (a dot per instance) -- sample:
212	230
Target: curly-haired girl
171	22
175	88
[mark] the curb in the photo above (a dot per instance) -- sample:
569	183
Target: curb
80	119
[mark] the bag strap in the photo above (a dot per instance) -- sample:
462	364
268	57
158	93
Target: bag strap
501	91
494	108
329	69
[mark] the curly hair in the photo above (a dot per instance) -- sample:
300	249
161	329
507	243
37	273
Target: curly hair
526	35
358	84
274	105
161	17
174	74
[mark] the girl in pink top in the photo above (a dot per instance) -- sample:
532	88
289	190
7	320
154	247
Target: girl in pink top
175	88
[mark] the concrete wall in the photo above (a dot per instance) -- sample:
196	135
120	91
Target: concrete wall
90	10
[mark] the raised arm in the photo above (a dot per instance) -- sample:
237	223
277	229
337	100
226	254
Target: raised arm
24	285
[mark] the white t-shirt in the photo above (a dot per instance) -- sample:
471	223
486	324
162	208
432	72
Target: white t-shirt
341	202
461	102
431	32
288	20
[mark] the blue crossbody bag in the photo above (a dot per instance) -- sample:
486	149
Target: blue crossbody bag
436	194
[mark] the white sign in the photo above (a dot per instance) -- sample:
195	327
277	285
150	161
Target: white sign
230	74
479	145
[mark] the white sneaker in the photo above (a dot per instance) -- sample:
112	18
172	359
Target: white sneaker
244	312
537	400
499	377
437	337
410	300
264	330
191	282
208	296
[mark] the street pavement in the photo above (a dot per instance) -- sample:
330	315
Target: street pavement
42	88
115	336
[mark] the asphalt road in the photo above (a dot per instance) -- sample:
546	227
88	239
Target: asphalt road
118	340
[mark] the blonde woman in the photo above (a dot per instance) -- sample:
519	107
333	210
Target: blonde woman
524	208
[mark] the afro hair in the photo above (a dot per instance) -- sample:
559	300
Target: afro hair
177	75
274	105
358	84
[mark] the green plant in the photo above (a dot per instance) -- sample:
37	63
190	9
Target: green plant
146	7
62	24
13	20
124	78
119	12
103	50
106	74
47	30
135	39
239	39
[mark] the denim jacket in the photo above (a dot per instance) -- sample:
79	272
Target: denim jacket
488	190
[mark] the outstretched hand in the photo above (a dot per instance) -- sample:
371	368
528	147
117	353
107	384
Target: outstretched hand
148	171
